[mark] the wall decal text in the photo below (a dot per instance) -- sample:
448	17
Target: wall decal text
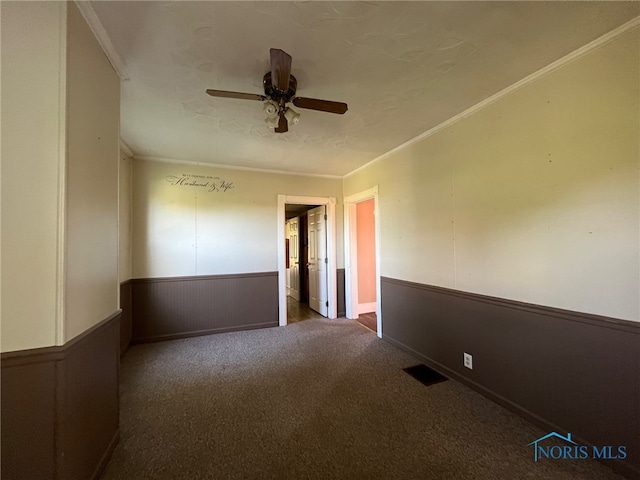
206	182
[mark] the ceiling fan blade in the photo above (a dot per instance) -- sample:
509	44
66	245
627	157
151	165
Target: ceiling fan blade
320	105
242	96
280	69
283	125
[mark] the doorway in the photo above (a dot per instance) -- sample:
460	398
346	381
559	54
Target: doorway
362	259
321	258
298	272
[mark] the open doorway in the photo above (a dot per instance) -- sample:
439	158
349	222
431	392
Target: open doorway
297	262
306	256
362	259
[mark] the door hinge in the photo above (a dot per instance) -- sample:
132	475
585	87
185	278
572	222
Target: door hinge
326	260
327	303
325	216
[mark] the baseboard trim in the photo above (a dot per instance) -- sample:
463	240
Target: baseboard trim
124	350
367	307
622	468
107	456
200	333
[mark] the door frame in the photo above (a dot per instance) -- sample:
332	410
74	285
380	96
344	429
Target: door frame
332	292
351	254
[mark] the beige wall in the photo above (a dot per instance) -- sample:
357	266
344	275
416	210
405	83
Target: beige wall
124	219
366	241
60	120
534	198
32	92
93	113
183	230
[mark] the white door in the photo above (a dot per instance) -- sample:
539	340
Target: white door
318	260
294	258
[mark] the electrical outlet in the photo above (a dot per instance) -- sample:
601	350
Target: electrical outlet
468	361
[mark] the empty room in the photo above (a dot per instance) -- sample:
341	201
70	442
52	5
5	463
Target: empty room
320	240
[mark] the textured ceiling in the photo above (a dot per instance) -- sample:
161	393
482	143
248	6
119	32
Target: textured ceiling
402	67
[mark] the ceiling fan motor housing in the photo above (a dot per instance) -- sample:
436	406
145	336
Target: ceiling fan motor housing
275	94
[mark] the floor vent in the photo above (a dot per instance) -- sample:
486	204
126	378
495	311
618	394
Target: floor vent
425	375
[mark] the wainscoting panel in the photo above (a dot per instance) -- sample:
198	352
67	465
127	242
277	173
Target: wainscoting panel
563	370
126	317
28	414
88	382
60	408
175	307
342	306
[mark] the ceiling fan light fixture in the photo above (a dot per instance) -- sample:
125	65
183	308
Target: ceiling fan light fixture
271	109
292	116
272	121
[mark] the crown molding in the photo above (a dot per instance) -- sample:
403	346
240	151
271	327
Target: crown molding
101	35
580	52
126	149
233	167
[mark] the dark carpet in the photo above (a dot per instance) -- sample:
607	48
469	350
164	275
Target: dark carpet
319	399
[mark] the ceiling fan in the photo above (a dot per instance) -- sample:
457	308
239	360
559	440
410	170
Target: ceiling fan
280	89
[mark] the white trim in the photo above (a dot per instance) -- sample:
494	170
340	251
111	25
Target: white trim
332	266
351	291
282	282
362	196
367	307
102	36
232	167
332	292
351	250
580	52
350	233
124	148
61	244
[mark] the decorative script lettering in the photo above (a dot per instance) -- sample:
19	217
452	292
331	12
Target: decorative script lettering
206	182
